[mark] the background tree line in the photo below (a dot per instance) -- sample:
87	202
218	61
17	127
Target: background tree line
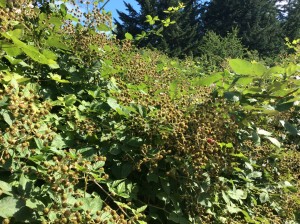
257	25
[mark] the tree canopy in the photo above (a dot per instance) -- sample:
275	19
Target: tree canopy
257	21
262	24
291	24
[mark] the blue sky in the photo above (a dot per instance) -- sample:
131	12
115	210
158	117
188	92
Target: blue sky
114	5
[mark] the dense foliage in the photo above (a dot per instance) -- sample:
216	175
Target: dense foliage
291	24
94	130
256	20
215	50
262	25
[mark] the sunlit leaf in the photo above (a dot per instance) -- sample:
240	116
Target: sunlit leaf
274	141
244	67
264	197
63	9
6	188
128	36
11	205
7	118
232	209
210	79
263	132
103	27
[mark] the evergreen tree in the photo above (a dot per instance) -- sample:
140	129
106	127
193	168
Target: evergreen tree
292	22
180	39
256	20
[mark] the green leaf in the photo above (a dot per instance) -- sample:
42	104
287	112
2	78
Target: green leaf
229	145
107	48
150	20
274	141
58	142
123	205
49	54
237	194
125	170
92	204
18	33
63	9
178	218
113	103
210	80
70	99
14	76
103	27
291	69
244	81
151	177
56	42
39	143
12	60
29	50
118	108
284	106
255	138
6	117
263	132
289	127
25	185
141	36
37	158
55	21
52	64
225	197
11	205
244	67
264	197
57	78
34	204
240	155
3	3
141	209
255	174
6	188
128	36
71	17
121	188
240	66
11	50
165	185
258	69
276	70
98	165
232	209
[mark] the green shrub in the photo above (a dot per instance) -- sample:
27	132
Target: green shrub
94	130
215	50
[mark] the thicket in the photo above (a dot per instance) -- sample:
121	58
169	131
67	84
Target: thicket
94	130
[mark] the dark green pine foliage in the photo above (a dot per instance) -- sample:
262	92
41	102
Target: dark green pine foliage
292	21
257	21
179	40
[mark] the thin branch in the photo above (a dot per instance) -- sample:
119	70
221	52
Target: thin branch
107	193
104	4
